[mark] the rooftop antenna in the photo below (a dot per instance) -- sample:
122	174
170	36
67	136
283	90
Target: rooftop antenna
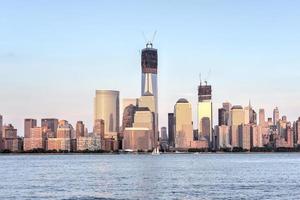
144	36
153	37
208	75
149	43
200	78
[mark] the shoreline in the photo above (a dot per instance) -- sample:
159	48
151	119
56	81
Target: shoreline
139	153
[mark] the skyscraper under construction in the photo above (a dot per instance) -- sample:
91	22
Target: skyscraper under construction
149	81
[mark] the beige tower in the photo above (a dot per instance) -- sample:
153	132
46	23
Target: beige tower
183	124
237	119
107	108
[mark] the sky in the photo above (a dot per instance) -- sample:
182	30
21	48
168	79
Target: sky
54	54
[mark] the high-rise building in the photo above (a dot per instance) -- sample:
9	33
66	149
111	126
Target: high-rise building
237	118
227	106
50	123
149	71
163	133
171	131
222	116
262	118
128	116
36	140
183	124
127	102
205	118
99	128
144	118
1	134
10	139
223	140
148	101
107	108
276	116
80	129
270	122
149	87
28	124
237	115
245	136
297	130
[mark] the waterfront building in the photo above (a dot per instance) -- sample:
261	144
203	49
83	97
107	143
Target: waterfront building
144	118
106	107
290	135
137	139
223	139
10	139
28	124
183	124
58	144
88	143
205	117
171	129
37	139
50	123
245	136
297	130
258	134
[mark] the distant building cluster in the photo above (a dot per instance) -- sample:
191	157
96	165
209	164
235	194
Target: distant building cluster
237	128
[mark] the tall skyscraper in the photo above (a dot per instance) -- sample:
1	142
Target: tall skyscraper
205	118
149	71
171	132
183	124
163	133
227	106
149	62
106	107
237	119
237	115
276	116
222	116
262	118
28	124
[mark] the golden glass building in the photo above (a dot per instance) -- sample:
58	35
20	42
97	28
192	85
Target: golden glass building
205	117
183	124
106	107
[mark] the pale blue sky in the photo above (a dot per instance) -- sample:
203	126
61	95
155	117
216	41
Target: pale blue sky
55	53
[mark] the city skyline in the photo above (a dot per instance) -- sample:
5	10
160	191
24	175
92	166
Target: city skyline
53	70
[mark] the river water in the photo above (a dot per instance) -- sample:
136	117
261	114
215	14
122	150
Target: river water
168	176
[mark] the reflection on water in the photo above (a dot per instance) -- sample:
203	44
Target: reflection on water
108	177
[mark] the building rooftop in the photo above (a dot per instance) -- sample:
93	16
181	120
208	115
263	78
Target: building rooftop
236	107
182	100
